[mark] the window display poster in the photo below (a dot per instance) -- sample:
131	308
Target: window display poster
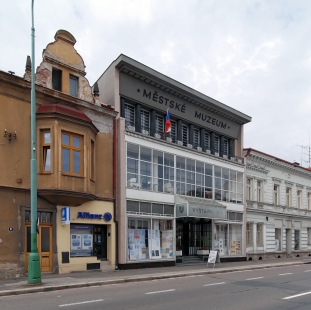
154	244
87	242
167	244
75	242
136	244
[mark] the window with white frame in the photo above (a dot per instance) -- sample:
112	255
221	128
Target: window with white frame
299	193
309	235
216	144
259	191
259	235
159	127
129	115
185	135
309	201
249	188
144	116
196	138
249	234
276	193
226	147
206	141
288	197
173	131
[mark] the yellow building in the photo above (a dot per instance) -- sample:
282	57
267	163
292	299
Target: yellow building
75	165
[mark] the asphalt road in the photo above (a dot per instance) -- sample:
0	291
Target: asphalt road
283	288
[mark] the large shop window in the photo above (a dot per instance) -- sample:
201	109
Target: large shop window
81	240
228	239
72	154
150	239
157	171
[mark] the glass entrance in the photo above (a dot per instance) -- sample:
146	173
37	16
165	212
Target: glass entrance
191	236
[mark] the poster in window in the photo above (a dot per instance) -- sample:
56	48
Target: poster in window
167	244
136	244
87	242
154	241
75	242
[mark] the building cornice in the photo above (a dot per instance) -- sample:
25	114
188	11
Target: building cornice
267	159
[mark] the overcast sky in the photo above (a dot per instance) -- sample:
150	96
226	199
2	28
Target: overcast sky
254	56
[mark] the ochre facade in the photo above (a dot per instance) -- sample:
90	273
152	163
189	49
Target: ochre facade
86	181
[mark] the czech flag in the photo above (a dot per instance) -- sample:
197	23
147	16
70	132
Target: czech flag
167	123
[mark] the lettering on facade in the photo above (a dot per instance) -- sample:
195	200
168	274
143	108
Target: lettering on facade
202	210
211	120
181	209
87	215
154	96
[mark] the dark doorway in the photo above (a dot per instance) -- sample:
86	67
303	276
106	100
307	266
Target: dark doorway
193	235
100	241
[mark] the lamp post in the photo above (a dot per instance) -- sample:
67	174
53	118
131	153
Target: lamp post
34	272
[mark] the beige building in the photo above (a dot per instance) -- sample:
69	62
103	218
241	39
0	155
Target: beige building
75	167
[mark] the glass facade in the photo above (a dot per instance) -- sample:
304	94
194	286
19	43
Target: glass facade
163	172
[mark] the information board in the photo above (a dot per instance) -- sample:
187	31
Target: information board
213	257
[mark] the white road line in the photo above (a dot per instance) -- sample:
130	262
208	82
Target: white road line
157	292
284	274
80	303
298	295
254	278
307	270
214	284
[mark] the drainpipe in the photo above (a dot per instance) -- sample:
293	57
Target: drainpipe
115	189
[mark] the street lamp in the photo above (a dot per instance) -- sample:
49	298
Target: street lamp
34	271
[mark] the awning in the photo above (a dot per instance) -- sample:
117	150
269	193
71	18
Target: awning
200	208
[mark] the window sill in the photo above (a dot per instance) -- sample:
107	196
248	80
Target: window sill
72	175
45	173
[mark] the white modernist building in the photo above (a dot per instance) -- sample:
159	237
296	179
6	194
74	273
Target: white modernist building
278	213
179	193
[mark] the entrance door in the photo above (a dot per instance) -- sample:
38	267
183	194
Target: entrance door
193	236
100	241
44	244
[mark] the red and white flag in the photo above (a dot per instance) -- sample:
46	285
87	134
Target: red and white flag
167	123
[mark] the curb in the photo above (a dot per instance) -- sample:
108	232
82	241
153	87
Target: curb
39	288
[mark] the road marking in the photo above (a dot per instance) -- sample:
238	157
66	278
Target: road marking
214	284
157	292
307	270
254	278
284	274
80	303
298	295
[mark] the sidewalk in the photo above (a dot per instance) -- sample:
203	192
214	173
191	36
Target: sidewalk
51	281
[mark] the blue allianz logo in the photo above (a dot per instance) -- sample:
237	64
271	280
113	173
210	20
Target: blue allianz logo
107	216
65	215
87	215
